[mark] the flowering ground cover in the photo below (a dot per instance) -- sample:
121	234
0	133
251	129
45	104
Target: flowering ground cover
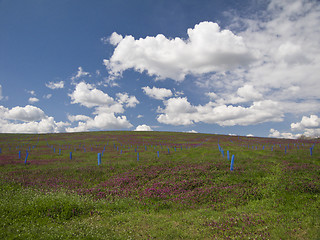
158	185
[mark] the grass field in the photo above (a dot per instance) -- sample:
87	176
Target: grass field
180	186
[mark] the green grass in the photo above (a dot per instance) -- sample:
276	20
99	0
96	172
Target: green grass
187	194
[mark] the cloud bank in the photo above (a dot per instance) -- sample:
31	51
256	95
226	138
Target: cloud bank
31	119
179	111
28	119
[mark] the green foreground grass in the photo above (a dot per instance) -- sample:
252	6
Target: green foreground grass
187	194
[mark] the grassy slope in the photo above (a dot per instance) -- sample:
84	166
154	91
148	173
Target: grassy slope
189	193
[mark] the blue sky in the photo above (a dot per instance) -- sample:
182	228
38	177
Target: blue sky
228	67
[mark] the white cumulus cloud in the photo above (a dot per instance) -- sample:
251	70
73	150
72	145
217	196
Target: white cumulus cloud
310	126
103	121
33	100
276	134
157	93
88	96
47	125
105	108
28	113
76	118
129	101
307	122
192	131
115	39
248	93
143	127
208	49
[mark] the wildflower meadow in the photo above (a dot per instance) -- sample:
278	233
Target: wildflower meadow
158	185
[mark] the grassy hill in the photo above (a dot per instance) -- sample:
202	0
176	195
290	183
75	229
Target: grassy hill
158	185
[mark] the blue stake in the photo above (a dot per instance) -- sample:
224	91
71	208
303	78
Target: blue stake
158	153
25	161
19	154
60	151
70	155
285	149
228	155
99	159
137	156
311	151
231	165
168	151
